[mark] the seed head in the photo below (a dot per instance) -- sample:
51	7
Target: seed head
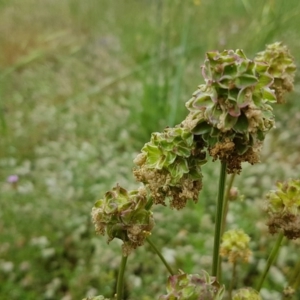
170	167
231	112
122	214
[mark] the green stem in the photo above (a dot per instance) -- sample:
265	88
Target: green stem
218	225
232	283
120	282
224	215
149	204
160	256
294	277
226	202
270	260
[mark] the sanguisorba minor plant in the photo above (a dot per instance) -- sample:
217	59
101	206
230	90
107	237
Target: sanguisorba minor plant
229	117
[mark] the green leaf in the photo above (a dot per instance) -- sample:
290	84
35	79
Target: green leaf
188	137
211	141
99	203
268	113
195	172
202	128
182	150
243	66
233	94
170	158
241	147
242	124
245	81
264	81
230	70
244	97
213	114
226	82
241	53
178	168
202	101
269	95
230	121
165	145
261	67
215	132
260	135
155	158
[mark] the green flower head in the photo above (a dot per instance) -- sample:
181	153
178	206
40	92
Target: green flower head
170	166
193	287
235	245
283	206
122	214
281	67
246	294
231	112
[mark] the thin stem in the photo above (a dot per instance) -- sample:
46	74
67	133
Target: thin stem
232	283
149	204
218	225
224	215
160	256
294	278
226	201
270	260
120	282
297	282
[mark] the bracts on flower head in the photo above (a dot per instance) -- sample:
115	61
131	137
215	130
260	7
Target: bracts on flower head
122	214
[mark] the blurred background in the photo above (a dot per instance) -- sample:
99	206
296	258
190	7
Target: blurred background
82	86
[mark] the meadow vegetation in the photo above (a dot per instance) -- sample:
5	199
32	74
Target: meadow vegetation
83	84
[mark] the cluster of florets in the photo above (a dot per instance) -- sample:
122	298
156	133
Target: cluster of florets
281	67
231	111
246	294
235	246
170	167
193	287
229	117
283	206
123	215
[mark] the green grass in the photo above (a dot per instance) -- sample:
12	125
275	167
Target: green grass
82	86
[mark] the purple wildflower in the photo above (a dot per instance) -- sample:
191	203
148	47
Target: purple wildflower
13	179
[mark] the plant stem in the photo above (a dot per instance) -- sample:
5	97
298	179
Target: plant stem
232	283
160	256
270	260
226	202
224	215
149	204
120	282
218	225
294	277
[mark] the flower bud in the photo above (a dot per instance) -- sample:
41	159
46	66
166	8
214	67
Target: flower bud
230	113
194	287
122	214
235	246
170	167
281	67
246	294
283	207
